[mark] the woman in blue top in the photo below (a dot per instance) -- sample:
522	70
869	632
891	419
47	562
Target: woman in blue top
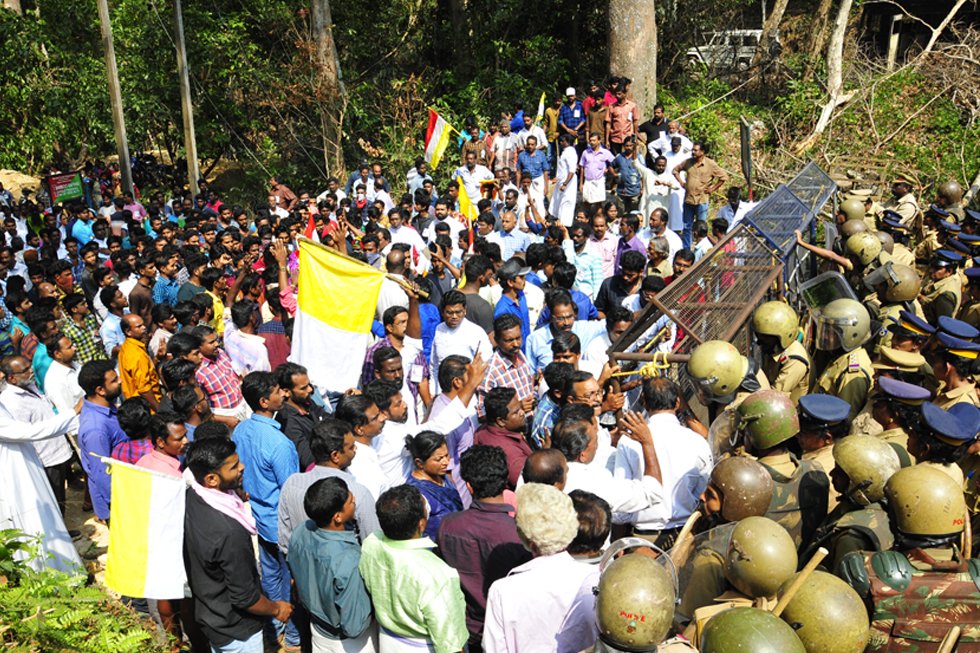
431	455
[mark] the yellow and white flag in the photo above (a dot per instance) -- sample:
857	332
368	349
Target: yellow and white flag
146	533
436	138
337	300
540	115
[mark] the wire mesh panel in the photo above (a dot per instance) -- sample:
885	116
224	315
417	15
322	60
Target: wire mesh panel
813	187
778	216
714	299
718	294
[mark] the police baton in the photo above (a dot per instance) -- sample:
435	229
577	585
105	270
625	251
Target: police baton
799	580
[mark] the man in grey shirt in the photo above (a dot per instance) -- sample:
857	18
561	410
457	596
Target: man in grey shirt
332	444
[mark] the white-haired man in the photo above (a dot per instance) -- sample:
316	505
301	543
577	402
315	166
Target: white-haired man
545	604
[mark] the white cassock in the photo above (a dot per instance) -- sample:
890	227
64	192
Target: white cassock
563	201
676	210
26	500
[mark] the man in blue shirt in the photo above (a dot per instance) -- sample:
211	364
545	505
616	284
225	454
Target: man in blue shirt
98	429
511	239
571	117
563	312
629	183
323	557
534	163
269	458
511	277
166	287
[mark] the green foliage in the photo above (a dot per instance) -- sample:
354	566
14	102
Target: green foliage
51	610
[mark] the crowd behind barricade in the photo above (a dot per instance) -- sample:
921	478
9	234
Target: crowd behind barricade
466	494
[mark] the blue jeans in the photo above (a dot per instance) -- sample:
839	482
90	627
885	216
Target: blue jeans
275	585
251	645
692	213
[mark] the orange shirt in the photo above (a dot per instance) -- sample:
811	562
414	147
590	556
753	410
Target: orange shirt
137	373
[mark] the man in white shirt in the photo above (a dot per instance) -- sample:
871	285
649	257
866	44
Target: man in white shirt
576	435
401	231
676	156
736	209
391	293
442	216
471	175
61	381
503	152
656	227
26	403
663	144
546	604
246	349
658	184
456	335
531	129
684	458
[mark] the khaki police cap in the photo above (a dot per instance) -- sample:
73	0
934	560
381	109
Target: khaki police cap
896	359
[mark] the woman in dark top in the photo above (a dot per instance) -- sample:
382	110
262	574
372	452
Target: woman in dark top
431	456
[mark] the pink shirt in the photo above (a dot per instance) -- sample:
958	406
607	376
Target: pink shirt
160	462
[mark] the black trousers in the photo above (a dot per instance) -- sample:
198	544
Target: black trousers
58	479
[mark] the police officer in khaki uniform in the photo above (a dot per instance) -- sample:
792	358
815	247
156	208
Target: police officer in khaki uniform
842	327
889	363
723	378
902	201
896	287
955	364
901	253
941	290
823	421
970	308
768	420
936	228
940	441
949	196
896	407
785	361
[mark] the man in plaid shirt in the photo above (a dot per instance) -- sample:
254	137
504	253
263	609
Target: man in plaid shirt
508	366
218	379
82	329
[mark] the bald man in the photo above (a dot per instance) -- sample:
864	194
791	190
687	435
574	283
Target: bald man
547	466
137	373
391	293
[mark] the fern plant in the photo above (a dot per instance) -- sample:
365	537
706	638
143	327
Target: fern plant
55	611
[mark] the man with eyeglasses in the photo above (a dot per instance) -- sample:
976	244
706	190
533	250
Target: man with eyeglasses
563	318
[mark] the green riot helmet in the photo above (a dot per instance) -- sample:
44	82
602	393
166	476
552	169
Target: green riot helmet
887	242
748	630
951	192
827	615
635	603
852	227
842	324
761	556
776	319
894	282
745	488
717	369
766	418
853	209
864	247
923	500
868	462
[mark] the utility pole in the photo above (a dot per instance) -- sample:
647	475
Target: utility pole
187	108
115	97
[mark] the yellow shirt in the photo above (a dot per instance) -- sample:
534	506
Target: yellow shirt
137	373
218	319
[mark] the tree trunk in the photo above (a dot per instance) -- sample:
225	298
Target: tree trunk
817	37
835	75
461	38
14	6
769	31
633	48
331	93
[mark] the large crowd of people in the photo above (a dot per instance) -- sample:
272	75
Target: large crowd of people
464	494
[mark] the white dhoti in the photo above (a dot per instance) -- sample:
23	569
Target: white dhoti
563	202
594	190
676	210
389	642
